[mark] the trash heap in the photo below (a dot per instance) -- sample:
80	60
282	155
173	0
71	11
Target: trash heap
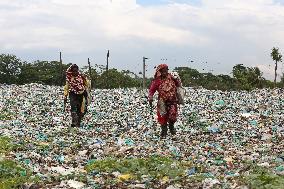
222	137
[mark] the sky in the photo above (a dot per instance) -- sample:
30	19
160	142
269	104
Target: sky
207	35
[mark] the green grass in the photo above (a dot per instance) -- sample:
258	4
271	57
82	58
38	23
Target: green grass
265	181
262	178
12	175
6	115
5	145
154	167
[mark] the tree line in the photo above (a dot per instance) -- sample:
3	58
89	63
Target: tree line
15	71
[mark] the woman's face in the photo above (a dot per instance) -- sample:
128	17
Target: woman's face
164	72
75	71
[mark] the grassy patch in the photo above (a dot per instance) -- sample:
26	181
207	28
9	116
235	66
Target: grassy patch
12	175
265	180
154	168
262	178
6	115
5	145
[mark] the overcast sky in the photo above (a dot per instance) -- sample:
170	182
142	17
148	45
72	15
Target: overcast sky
214	34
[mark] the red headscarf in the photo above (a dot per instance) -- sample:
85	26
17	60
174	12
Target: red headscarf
76	83
158	70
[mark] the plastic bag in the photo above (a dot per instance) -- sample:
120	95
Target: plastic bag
162	107
181	92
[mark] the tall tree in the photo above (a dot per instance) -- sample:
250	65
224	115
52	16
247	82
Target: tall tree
10	68
45	72
247	78
116	80
240	74
189	76
277	57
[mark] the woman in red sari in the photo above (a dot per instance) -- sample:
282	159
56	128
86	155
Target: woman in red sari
166	85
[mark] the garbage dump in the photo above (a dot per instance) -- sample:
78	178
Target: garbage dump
221	138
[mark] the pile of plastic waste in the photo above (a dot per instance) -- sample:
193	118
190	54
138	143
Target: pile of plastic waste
220	133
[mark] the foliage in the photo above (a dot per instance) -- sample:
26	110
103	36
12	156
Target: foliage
115	79
15	71
281	83
10	68
43	72
12	175
155	167
5	145
262	178
191	77
5	114
277	57
248	78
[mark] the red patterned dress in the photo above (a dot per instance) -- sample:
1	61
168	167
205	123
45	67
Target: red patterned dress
167	98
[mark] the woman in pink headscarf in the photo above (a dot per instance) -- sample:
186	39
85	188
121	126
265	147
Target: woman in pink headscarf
166	85
77	87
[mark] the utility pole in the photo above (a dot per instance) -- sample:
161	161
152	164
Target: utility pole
107	69
144	71
107	60
90	72
61	68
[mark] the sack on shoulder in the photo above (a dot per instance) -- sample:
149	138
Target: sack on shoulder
181	92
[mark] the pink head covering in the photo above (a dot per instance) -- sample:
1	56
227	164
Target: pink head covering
158	70
76	83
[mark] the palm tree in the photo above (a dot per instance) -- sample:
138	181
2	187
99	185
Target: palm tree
277	57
